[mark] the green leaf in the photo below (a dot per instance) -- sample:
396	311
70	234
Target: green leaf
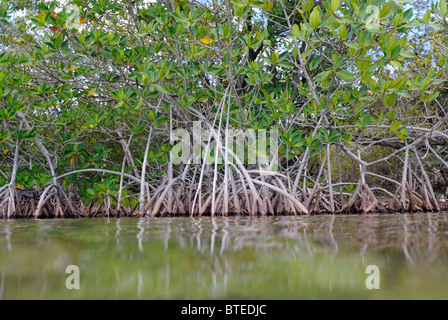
145	79
407	54
349	20
343	31
427	17
389	99
380	118
353	45
366	120
425	84
142	33
335	5
443	7
405	95
403	133
390	115
215	69
315	63
295	30
395	126
307	5
162	88
315	18
346	75
286	64
322	76
275	57
385	11
398	19
268	7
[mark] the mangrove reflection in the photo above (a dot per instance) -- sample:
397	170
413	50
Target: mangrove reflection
305	257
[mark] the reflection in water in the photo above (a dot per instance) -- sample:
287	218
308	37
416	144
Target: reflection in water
330	232
213	236
305	238
197	231
277	257
140	234
225	237
140	285
406	240
2	285
117	283
433	243
8	236
167	235
363	253
117	234
167	280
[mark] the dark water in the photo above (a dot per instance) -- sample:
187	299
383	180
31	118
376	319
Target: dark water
227	258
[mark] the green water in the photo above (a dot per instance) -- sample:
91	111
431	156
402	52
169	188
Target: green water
322	257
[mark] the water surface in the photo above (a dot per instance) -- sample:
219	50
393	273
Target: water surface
323	257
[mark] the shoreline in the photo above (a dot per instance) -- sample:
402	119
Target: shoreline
208	215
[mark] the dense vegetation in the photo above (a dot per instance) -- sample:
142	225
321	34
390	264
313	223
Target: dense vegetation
91	93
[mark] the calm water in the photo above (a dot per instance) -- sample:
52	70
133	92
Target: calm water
273	258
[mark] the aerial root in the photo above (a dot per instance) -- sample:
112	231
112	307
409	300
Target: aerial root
52	202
